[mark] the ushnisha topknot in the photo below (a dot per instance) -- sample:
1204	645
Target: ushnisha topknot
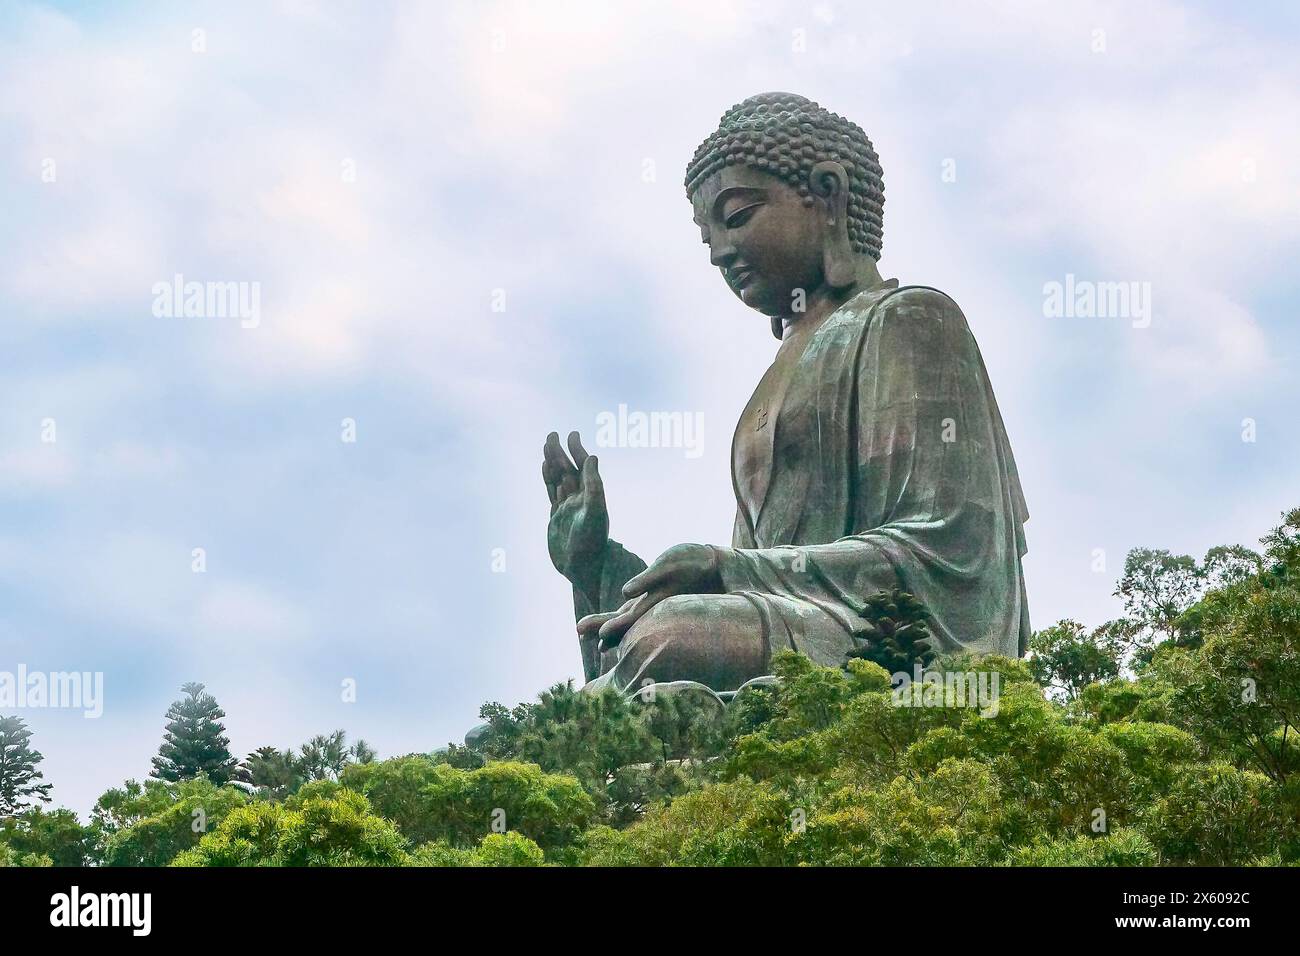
787	135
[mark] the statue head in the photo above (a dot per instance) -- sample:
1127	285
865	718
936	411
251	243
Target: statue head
788	197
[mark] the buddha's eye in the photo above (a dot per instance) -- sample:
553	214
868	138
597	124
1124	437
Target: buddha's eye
742	215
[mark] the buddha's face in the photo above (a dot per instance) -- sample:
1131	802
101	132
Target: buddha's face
762	236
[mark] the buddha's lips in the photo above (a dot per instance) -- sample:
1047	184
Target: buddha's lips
739	279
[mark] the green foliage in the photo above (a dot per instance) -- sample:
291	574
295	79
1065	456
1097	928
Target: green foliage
1168	737
950	817
461	806
1123	847
337	831
1282	549
624	753
120	807
897	634
11	857
1157	587
325	755
275	774
1217	815
727	824
195	741
19	788
495	849
433	802
1241	697
164	820
1163	594
57	835
1145	699
1066	658
396	790
440	853
508	849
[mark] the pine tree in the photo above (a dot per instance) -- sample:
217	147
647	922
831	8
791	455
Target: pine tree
195	741
362	752
18	773
272	772
897	634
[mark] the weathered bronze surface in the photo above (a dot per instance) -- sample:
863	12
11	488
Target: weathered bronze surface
872	454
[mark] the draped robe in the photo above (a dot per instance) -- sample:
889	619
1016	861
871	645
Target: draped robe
889	467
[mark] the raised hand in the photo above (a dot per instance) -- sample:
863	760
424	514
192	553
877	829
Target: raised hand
579	526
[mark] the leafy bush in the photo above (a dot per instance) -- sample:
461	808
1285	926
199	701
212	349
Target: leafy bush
325	831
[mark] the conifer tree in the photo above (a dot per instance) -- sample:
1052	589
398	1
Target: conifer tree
18	773
195	741
897	634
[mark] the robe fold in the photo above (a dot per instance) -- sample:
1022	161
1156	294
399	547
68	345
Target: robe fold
890	467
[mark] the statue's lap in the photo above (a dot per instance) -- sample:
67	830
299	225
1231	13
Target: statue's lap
719	640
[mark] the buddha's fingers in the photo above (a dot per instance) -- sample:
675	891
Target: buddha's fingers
576	450
552	491
593	488
647	579
592	622
615	629
563	473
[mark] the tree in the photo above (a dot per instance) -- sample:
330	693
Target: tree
1238	692
326	755
396	789
271	772
18	774
897	632
1157	586
277	774
341	830
195	741
435	802
1229	564
1282	547
121	807
1217	815
168	819
1160	589
1066	658
362	752
11	857
57	835
614	747
1124	847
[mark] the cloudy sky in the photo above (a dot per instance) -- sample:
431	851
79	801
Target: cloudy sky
467	229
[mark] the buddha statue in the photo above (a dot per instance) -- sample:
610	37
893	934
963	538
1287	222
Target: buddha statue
871	455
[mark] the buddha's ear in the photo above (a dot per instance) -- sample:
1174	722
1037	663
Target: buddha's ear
830	181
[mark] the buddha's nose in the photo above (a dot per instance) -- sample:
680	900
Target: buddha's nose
723	255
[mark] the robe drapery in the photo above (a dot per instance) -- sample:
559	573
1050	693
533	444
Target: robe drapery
890	467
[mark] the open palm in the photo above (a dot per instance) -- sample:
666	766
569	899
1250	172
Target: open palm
579	525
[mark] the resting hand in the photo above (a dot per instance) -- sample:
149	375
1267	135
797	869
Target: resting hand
682	569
